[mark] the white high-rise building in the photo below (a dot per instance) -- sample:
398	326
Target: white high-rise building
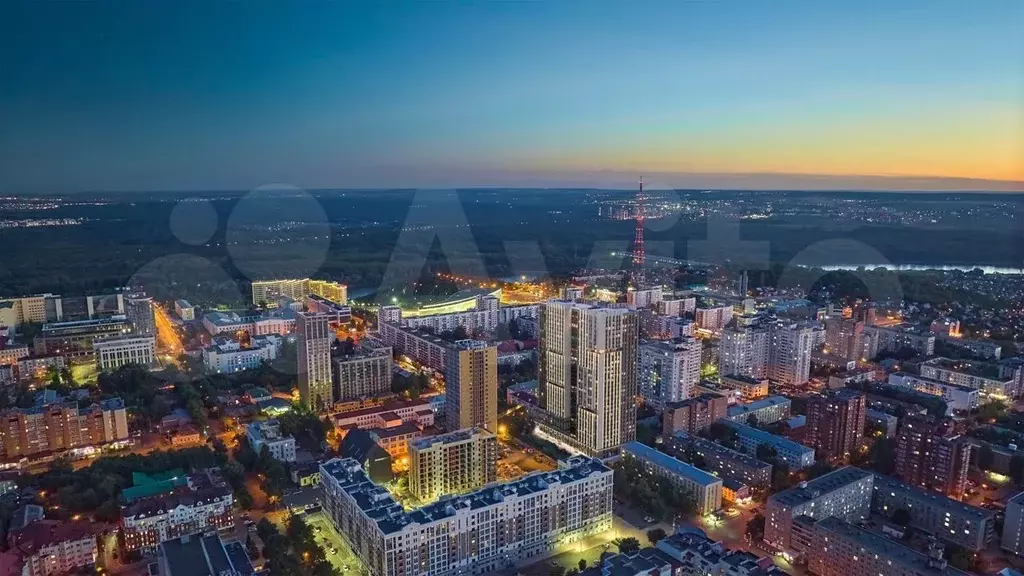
744	352
669	370
790	361
314	351
644	297
587	374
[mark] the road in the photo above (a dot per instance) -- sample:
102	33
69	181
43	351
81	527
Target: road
167	336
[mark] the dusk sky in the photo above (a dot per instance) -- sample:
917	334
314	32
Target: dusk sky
208	95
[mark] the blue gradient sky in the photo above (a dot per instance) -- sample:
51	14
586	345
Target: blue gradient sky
761	94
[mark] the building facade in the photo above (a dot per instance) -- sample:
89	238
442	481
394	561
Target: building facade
25	432
268	434
796	456
929	453
452	463
669	370
844	493
766	410
693	415
203	504
705	488
316	389
725	462
471	386
366	373
587	373
790	362
483	531
116	352
835	423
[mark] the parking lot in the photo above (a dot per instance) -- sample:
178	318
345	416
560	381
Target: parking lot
328	538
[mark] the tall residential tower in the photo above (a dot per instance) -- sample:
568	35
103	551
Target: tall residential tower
316	390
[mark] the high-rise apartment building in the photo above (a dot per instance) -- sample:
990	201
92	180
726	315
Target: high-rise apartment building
843	338
669	370
452	463
587	374
471	386
61	426
835	423
790	362
929	453
744	351
139	310
713	319
845	493
365	373
693	415
314	353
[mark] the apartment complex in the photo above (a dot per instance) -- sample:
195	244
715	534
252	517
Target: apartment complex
482	531
669	370
202	503
929	453
713	319
844	493
60	426
725	462
366	373
743	351
796	456
835	423
225	355
750	389
471	386
767	410
948	519
422	347
587	375
878	339
316	389
957	398
705	488
267	292
790	359
452	463
988	378
268	435
50	547
838	548
116	352
693	415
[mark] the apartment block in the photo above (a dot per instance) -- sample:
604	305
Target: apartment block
844	493
835	423
51	547
452	463
669	370
957	398
316	388
474	533
225	355
471	386
55	427
929	453
268	435
767	410
366	373
948	519
706	488
693	415
725	462
796	456
422	347
750	389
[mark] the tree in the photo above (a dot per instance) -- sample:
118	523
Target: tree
766	452
755	527
556	570
582	564
628	545
752	420
901	517
655	535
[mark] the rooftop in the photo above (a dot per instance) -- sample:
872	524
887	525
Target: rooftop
645	452
724	451
741	409
43	533
933	498
204	556
450	438
378	504
762	436
871	543
820	486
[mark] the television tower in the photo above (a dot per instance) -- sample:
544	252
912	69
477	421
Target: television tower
638	240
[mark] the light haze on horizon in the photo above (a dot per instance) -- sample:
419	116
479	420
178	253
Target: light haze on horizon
196	95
